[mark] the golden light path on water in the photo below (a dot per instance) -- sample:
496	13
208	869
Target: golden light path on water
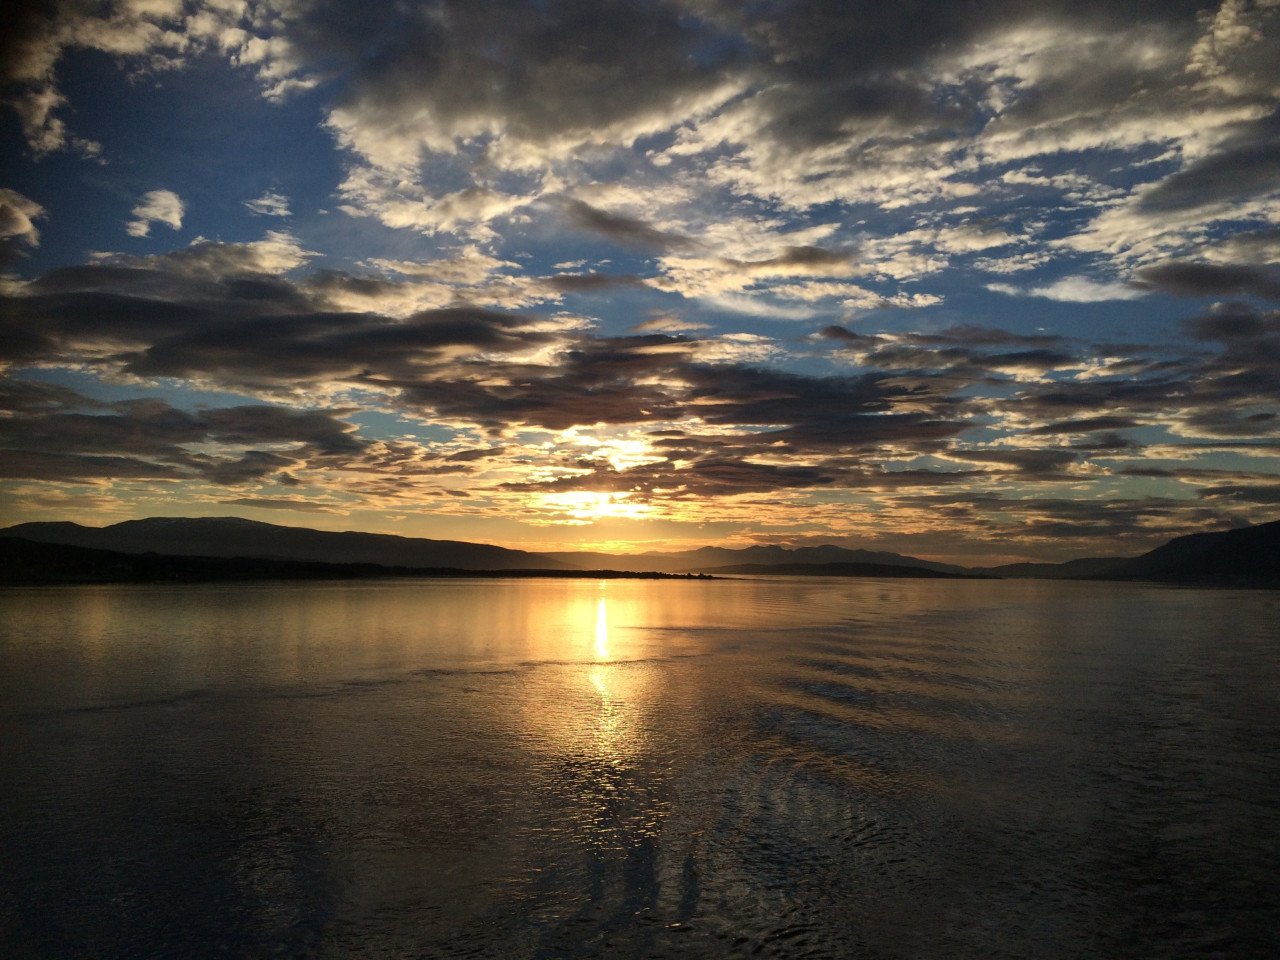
609	731
602	627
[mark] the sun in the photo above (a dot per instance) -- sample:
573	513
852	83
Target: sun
587	506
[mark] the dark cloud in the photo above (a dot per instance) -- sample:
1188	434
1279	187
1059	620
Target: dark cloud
1212	280
913	395
843	335
325	284
799	413
1086	425
1227	393
1233	423
964	351
619	380
232	340
1033	461
856	96
1235	324
1101	527
322	432
589	282
627	231
796	260
709	477
56	439
27	397
27	24
1106	442
279	503
552	71
77	468
1247	165
1261	493
254	465
1251	246
59	327
479	453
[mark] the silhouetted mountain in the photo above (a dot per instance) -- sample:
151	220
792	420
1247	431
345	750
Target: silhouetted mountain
1086	568
705	558
835	570
28	562
1247	557
32	562
234	537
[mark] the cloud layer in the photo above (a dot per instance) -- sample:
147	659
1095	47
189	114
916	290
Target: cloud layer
986	272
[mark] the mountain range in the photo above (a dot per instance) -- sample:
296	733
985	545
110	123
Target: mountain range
714	559
1247	556
236	537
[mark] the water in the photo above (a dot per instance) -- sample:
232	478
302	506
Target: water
785	768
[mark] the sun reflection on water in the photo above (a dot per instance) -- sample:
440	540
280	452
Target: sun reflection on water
602	630
610	735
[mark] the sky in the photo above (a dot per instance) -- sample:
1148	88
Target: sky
971	281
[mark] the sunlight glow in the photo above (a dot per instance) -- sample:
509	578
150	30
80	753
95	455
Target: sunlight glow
585	506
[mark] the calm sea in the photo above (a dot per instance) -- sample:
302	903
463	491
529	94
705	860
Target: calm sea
523	768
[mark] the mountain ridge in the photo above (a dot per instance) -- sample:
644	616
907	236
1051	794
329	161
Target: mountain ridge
231	537
35	563
703	558
835	569
1242	556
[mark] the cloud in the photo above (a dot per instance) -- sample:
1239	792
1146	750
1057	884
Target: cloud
664	323
1247	246
37	34
627	231
1073	290
17	214
1086	425
1266	493
270	204
1238	325
68	437
281	503
589	282
1246	165
695	422
204	270
569	76
782	284
1115	526
17	225
1212	280
467	266
1029	463
157	206
960	353
810	161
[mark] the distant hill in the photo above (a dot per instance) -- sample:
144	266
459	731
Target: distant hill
834	570
234	537
1246	557
1086	568
706	558
29	562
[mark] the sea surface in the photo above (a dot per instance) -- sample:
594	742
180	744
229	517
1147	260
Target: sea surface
552	768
